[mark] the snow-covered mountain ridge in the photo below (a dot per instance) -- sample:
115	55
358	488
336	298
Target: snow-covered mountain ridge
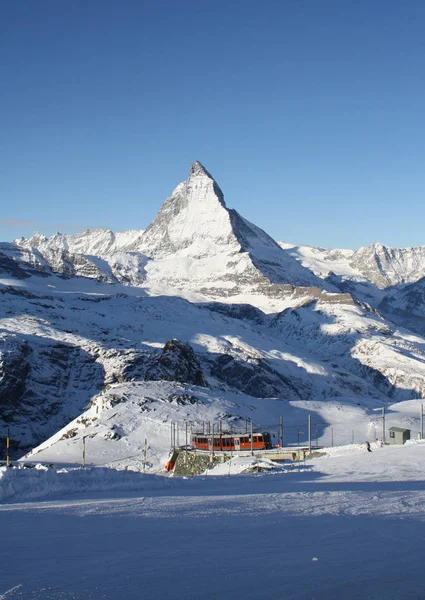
194	243
377	264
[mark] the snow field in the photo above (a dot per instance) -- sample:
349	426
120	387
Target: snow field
349	525
24	484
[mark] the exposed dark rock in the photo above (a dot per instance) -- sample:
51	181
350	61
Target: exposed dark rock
14	370
254	377
178	362
237	311
182	399
45	384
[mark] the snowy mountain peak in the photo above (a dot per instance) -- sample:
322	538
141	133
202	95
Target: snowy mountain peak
204	241
199	176
198	168
194	219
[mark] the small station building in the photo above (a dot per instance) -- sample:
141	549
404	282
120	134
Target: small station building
398	435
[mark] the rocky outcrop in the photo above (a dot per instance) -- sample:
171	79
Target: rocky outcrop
43	386
177	362
254	377
14	371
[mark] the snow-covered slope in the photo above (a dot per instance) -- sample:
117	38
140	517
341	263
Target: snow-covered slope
63	341
200	298
348	525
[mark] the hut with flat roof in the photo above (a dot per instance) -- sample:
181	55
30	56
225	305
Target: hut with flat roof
398	435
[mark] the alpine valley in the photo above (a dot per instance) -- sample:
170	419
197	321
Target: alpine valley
201	316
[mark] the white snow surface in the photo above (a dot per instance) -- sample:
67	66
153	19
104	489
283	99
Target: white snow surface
350	524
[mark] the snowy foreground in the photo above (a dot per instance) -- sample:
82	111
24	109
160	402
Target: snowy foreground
348	525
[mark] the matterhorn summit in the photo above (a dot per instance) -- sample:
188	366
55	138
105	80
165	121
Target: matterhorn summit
193	221
196	241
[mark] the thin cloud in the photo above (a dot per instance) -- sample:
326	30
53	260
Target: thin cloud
36	225
17	223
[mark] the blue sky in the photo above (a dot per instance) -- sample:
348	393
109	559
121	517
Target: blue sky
309	113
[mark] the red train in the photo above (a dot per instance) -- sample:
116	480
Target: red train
232	441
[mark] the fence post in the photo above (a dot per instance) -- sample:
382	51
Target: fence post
383	424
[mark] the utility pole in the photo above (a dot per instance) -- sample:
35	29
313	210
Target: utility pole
332	436
309	434
281	431
212	445
422	421
383	424
8	448
145	450
83	461
252	440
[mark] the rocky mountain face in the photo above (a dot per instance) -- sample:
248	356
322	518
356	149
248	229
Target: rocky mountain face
204	300
387	267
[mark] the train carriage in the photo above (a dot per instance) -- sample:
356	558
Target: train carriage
231	442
